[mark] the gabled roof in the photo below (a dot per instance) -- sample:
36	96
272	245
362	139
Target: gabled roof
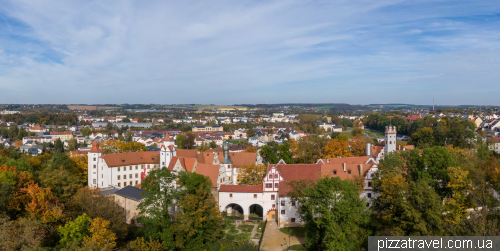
131	158
211	171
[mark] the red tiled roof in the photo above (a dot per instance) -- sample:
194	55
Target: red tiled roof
241	188
186	153
211	171
95	147
131	158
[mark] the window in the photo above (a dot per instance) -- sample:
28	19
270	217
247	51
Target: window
124	176
369	184
130	176
119	184
275	176
148	166
94	166
293	203
130	168
95	181
282	211
274	205
369	195
282	203
137	175
230	195
275	185
270	176
269	185
118	169
334	172
136	182
163	163
349	171
136	167
367	204
130	183
273	197
292	220
94	159
255	196
371	175
118	177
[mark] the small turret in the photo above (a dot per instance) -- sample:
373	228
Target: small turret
225	149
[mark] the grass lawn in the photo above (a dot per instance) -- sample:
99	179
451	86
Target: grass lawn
243	237
233	231
298	247
374	134
257	236
294	231
246	228
260	227
236	141
230	226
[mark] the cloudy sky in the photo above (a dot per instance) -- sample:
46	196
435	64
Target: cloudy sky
233	52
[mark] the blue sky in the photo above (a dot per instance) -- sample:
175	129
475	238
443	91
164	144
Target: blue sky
228	52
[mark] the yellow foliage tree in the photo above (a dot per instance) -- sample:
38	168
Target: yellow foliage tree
391	191
252	174
115	146
80	163
101	238
140	244
250	149
43	204
358	145
460	186
337	148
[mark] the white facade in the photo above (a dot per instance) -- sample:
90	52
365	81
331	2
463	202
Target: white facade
390	139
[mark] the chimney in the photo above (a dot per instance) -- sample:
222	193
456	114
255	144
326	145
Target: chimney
327	160
368	149
345	165
361	169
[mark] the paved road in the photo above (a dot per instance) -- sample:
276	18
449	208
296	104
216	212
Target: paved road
274	239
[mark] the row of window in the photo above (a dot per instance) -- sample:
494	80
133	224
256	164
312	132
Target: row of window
271	176
283	203
130	183
270	185
136	167
125	176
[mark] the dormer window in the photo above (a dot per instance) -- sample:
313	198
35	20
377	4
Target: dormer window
349	171
334	172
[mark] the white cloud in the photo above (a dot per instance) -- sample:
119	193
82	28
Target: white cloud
244	51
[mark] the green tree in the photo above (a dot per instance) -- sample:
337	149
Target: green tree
61	182
343	137
284	153
128	136
179	140
75	230
72	144
58	146
212	144
199	220
251	132
126	120
189	141
268	154
160	195
22	234
85	131
333	213
357	132
13	132
423	138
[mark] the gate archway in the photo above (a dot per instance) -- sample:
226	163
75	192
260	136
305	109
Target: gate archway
234	210
256	212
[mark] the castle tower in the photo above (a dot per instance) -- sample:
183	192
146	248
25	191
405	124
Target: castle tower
390	139
95	171
166	154
228	164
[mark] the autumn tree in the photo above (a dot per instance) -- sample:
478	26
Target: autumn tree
358	145
101	237
114	146
337	148
252	174
96	205
21	234
250	149
140	244
309	149
61	182
357	132
460	186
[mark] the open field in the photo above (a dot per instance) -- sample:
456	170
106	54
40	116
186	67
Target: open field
90	107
